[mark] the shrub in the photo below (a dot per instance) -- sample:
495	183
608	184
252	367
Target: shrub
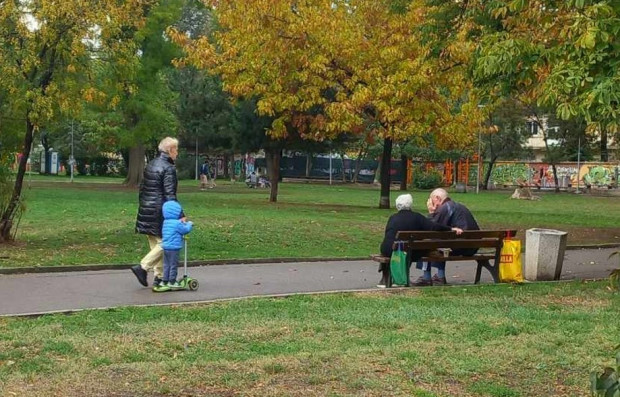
426	179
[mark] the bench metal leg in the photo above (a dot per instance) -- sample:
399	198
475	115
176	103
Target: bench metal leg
386	276
491	268
494	270
478	272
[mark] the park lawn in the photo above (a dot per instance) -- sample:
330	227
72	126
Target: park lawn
93	223
504	340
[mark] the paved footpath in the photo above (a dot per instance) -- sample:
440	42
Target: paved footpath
39	293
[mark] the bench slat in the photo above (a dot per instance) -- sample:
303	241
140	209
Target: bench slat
380	258
465	243
385	259
478	234
415	235
457	258
467	234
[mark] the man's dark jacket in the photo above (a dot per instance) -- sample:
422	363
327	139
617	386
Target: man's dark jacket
158	186
454	214
406	220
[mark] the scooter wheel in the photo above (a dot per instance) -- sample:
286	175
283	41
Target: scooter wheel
193	284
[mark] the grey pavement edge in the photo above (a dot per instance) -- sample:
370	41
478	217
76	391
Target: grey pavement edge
213	262
41	293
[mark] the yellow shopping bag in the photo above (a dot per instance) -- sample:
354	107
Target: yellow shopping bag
510	262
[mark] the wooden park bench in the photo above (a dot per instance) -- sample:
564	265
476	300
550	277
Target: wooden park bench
438	247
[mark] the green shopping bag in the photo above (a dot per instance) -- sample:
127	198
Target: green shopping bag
398	265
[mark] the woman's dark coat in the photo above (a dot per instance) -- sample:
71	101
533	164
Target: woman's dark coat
406	220
158	186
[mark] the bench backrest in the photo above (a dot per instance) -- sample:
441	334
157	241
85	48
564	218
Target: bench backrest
415	240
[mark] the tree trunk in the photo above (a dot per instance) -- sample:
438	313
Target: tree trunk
9	213
403	171
356	172
555	177
377	178
231	167
47	161
551	157
386	159
226	165
487	175
361	155
344	174
272	157
308	164
604	151
135	168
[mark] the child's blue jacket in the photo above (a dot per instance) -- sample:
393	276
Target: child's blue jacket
173	229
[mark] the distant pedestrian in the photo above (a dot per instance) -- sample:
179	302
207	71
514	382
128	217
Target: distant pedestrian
204	175
212	175
158	186
173	231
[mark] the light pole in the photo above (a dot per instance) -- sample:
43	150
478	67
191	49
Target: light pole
71	158
330	167
479	154
578	161
479	161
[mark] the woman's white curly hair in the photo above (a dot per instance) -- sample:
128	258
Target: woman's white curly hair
404	202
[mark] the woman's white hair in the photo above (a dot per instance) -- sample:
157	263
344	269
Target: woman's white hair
404	202
168	143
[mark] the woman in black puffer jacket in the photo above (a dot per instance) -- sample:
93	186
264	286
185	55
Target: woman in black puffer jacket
158	186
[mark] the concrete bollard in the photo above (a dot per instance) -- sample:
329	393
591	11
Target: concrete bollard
460	188
544	254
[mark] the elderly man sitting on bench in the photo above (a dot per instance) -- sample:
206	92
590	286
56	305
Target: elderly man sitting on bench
445	212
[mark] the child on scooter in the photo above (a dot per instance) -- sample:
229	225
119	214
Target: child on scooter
173	231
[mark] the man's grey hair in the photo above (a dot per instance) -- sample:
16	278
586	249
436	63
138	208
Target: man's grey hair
404	202
441	193
168	143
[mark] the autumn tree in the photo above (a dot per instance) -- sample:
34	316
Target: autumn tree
47	49
561	54
322	68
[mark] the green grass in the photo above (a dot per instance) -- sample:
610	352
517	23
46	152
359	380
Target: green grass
493	340
91	223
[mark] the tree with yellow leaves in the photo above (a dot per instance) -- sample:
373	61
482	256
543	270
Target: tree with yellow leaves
47	51
321	68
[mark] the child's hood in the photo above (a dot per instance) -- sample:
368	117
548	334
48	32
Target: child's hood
171	210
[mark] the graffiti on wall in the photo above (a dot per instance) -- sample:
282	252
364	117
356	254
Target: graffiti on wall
540	175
